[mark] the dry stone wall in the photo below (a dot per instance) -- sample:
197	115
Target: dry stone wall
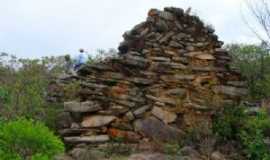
171	74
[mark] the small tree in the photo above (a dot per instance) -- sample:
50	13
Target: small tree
28	140
253	62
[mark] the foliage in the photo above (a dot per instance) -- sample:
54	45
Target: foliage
235	124
171	148
253	62
24	139
252	136
23	87
227	122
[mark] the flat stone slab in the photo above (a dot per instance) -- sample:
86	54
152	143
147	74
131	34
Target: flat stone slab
81	107
165	116
97	121
87	139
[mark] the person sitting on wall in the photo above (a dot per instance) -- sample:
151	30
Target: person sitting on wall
80	60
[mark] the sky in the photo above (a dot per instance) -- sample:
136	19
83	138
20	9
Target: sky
37	28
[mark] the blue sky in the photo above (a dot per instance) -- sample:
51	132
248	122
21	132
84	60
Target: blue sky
36	28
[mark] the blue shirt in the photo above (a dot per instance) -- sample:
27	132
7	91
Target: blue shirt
82	58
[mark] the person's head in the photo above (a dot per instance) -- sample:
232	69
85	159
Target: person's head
81	50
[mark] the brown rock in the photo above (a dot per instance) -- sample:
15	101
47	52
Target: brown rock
165	116
97	121
127	135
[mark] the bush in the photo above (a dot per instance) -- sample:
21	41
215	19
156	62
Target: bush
234	124
25	139
227	123
252	136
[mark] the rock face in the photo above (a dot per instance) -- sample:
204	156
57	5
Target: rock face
171	74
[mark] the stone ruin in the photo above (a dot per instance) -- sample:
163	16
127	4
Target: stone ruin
171	74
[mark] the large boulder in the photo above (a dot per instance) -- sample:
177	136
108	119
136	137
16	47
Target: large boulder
156	129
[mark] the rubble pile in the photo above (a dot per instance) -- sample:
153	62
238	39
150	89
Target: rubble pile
171	74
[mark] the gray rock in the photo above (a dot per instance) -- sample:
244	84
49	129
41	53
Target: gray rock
217	156
130	116
229	90
86	154
140	111
160	59
63	157
175	44
135	61
81	107
189	151
166	37
148	156
153	128
142	81
63	120
237	83
161	26
87	139
166	15
176	92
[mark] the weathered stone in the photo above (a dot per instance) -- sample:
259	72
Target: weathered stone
97	121
135	61
71	132
175	44
148	156
237	83
160	59
64	120
81	107
127	135
166	37
165	116
116	110
217	156
229	90
177	92
63	157
142	81
161	26
154	128
130	116
205	57
83	153
190	152
170	101
122	125
138	112
88	139
166	15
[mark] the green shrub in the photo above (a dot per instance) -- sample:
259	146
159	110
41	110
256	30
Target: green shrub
227	123
252	136
234	124
25	139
